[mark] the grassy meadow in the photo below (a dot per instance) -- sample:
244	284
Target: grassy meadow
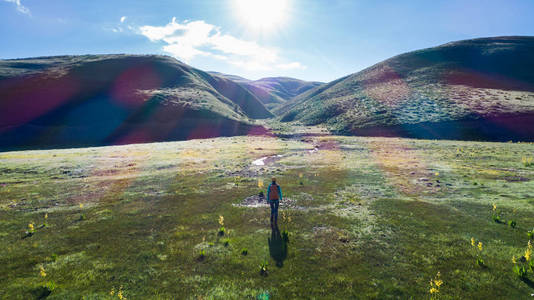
362	218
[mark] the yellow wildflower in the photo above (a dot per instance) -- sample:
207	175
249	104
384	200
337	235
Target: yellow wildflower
473	241
494	207
81	205
221	220
437	174
438	282
433	290
30	227
528	253
513	259
42	271
260	183
120	295
112	292
46	216
300	175
479	246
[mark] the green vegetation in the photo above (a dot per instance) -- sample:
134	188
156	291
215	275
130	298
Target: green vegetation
272	91
376	218
528	161
454	91
156	95
263	268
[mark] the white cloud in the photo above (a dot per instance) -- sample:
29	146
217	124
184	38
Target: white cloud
190	39
123	18
21	8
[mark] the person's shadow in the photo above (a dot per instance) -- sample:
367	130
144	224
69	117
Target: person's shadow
278	246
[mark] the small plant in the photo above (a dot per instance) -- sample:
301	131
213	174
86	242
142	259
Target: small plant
528	252
201	254
520	271
42	271
82	217
44	222
524	264
478	246
263	268
495	216
51	286
237	180
47	288
285	236
244	251
222	231
527	161
31	229
512	223
120	293
226	242
435	284
530	234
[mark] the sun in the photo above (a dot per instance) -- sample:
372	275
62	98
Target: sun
262	15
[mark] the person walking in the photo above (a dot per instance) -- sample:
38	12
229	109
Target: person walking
274	196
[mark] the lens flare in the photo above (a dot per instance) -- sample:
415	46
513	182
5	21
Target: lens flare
262	15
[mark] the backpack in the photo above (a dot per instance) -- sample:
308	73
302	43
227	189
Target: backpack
273	192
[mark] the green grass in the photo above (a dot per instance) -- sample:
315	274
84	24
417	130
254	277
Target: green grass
374	218
437	89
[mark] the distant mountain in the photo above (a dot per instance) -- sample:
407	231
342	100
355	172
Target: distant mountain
234	78
272	91
480	89
95	100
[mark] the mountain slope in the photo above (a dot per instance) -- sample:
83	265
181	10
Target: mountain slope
285	87
115	99
272	91
474	89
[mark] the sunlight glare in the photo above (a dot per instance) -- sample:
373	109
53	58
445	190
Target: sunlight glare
262	15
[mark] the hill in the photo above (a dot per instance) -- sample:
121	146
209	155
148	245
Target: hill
272	91
480	89
96	100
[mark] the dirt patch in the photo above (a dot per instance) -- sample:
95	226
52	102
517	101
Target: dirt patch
257	201
327	145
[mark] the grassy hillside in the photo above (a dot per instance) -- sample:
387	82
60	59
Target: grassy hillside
366	218
473	89
115	99
272	91
285	87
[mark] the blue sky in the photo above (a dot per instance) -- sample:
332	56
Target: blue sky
311	40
